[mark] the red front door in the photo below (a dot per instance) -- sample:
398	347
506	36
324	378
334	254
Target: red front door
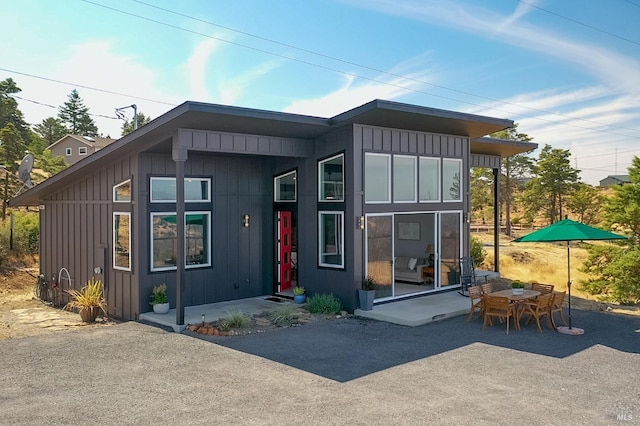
284	251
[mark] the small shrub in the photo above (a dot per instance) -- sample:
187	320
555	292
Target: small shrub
477	252
324	304
159	294
235	319
284	316
298	291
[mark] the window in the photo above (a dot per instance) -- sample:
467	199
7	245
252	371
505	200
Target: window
163	190
404	179
331	232
164	240
68	152
429	185
331	179
122	241
451	182
82	150
377	177
284	187
122	192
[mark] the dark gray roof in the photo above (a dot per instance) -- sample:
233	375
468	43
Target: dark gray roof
203	116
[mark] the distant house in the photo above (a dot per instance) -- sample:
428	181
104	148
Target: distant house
222	203
615	180
74	148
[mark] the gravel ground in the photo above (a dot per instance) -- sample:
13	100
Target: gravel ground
348	371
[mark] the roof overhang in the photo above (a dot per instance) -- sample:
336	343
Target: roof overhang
413	117
500	147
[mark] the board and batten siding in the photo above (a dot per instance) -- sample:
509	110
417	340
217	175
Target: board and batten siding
486	161
242	258
239	143
76	234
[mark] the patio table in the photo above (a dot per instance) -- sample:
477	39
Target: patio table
517	299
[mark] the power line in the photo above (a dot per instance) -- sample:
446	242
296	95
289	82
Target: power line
55	107
581	23
127	95
633	3
361	66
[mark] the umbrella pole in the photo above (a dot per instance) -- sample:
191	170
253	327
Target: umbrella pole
569	278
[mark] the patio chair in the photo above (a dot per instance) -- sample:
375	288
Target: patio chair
542	288
486	288
498	307
467	275
556	306
475	295
537	309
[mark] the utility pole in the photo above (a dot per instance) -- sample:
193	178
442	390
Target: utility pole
121	115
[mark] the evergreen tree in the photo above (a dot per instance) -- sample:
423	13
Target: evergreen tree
514	170
49	164
12	151
51	130
128	126
74	115
554	179
586	202
9	112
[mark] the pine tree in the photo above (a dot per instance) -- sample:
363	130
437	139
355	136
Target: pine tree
51	130
74	115
11	152
128	126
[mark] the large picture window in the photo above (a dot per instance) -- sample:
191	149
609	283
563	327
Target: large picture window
331	231
122	241
429	185
331	179
284	187
451	179
164	240
377	178
163	190
404	179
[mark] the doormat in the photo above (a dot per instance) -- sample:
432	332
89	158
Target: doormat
277	299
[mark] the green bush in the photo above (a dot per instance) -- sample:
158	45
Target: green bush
477	252
324	304
26	234
614	273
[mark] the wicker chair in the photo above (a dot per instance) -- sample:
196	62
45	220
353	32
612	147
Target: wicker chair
498	307
475	295
538	308
556	306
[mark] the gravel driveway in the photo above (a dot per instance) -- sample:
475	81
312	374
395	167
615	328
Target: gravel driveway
347	371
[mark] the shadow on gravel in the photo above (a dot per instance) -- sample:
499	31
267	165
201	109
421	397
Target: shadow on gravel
346	349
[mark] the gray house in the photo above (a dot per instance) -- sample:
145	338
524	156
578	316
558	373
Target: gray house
613	180
223	203
74	148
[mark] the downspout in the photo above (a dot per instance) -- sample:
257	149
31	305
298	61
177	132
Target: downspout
496	219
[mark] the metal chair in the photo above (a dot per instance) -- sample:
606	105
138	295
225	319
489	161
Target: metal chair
467	275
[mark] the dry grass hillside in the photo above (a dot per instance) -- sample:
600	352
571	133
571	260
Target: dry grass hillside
543	263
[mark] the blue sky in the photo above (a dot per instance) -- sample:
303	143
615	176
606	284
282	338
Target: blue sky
568	72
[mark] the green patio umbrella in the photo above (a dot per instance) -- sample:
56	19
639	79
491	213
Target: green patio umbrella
569	230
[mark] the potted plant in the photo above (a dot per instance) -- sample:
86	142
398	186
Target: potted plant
298	295
517	287
89	300
159	299
367	293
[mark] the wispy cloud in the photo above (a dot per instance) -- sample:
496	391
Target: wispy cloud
96	64
197	67
354	91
